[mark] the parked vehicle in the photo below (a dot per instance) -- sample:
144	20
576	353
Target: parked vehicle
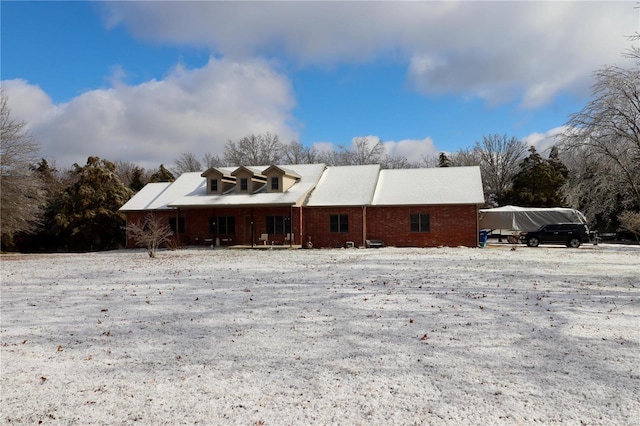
570	234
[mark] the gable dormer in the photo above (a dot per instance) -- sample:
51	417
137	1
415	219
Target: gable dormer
218	182
248	180
280	179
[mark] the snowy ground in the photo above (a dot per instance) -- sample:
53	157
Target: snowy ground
389	336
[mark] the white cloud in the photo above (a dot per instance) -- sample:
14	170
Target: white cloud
412	149
194	111
496	51
544	141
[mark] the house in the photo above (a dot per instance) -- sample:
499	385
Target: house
313	205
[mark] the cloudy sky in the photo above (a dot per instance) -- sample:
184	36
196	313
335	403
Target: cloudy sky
147	81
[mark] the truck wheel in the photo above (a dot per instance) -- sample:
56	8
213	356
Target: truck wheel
533	242
574	242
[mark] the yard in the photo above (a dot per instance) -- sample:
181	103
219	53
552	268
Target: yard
348	336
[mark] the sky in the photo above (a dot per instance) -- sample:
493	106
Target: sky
146	81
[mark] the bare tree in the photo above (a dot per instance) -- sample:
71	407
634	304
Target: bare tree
335	157
187	162
499	157
395	162
465	157
428	161
602	143
22	197
365	151
253	150
150	233
210	160
631	222
296	153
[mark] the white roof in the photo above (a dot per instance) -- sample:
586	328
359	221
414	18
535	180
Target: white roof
151	197
345	186
325	186
432	186
195	194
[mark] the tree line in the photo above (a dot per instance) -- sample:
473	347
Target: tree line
594	167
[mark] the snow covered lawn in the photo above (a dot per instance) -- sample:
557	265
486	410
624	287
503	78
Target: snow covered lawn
388	336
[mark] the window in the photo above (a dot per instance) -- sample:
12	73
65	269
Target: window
278	225
420	222
244	184
172	225
226	225
214	185
275	183
339	223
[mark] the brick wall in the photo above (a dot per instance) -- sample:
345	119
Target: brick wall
449	226
316	226
197	232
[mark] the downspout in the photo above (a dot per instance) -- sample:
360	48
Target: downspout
177	224
251	230
290	226
364	225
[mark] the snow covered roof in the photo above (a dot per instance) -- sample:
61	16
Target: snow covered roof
346	186
195	194
152	197
323	186
432	186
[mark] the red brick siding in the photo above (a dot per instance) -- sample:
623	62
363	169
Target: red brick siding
196	224
316	226
135	217
450	226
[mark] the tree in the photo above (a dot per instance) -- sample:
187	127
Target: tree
465	157
21	192
253	150
162	175
602	143
443	160
631	222
210	161
364	152
87	217
296	153
150	233
499	157
138	180
187	162
539	181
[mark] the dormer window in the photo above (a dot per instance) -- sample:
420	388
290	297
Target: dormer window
280	179
244	184
218	181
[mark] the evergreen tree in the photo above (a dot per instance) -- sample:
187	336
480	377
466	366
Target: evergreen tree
137	179
87	217
443	160
162	175
538	182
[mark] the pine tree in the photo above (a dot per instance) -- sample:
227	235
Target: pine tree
538	182
137	179
162	175
443	160
87	217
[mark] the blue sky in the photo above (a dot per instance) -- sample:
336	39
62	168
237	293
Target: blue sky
147	81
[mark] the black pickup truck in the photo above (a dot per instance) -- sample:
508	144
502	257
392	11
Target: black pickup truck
570	234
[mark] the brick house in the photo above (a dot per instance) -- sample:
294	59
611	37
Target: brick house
319	206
